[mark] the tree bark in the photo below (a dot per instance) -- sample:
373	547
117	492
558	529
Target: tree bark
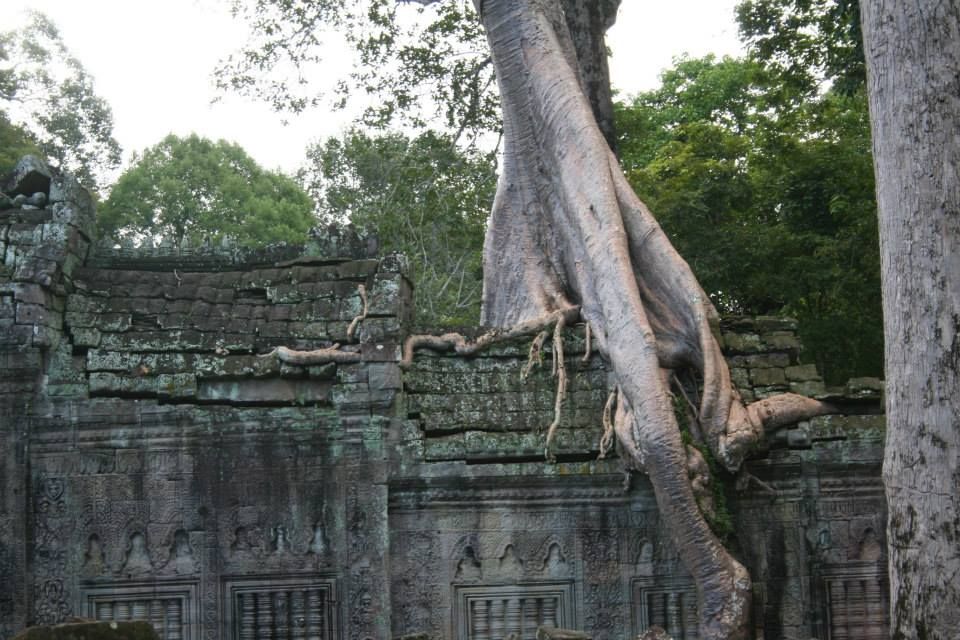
913	65
567	230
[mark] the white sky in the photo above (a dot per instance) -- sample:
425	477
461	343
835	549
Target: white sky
152	61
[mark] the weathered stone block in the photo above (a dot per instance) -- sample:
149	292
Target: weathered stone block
864	388
105	383
66	189
29	175
767	377
760	360
384	376
742	342
811	388
177	386
29	293
782	340
264	391
802	373
740	377
769	324
836	426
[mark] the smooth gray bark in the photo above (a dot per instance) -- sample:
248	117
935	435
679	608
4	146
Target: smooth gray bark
913	65
567	231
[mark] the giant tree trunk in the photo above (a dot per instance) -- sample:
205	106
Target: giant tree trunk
566	229
913	65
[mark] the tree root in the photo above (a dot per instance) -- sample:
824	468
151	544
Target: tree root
786	408
560	372
699	473
587	348
459	344
363	312
535	357
332	353
606	440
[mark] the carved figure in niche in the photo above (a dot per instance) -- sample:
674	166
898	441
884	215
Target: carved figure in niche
241	543
93	561
469	567
555	565
822	544
645	559
281	544
510	566
318	543
181	554
137	560
870	548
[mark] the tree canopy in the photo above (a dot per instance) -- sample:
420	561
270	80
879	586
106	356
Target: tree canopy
425	197
417	63
807	42
15	142
203	190
770	199
47	92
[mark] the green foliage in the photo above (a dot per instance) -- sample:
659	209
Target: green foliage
807	41
770	200
720	520
48	93
414	61
199	189
15	142
424	197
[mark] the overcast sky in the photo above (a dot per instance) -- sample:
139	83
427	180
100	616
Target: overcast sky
152	62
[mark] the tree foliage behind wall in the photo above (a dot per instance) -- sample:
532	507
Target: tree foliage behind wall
769	198
194	188
425	197
48	93
418	64
15	142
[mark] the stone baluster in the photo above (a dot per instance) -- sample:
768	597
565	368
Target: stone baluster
549	611
264	617
688	608
856	608
315	621
156	617
876	628
174	620
248	616
104	611
496	619
298	616
657	609
674	628
513	622
480	623
281	614
531	618
838	611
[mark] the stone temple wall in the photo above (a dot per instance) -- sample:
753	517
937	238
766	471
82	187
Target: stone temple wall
156	466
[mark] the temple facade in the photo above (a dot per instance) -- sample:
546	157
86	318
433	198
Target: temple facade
158	463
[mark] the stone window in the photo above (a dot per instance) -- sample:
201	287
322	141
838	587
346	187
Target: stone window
857	602
494	612
670	603
172	608
281	608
